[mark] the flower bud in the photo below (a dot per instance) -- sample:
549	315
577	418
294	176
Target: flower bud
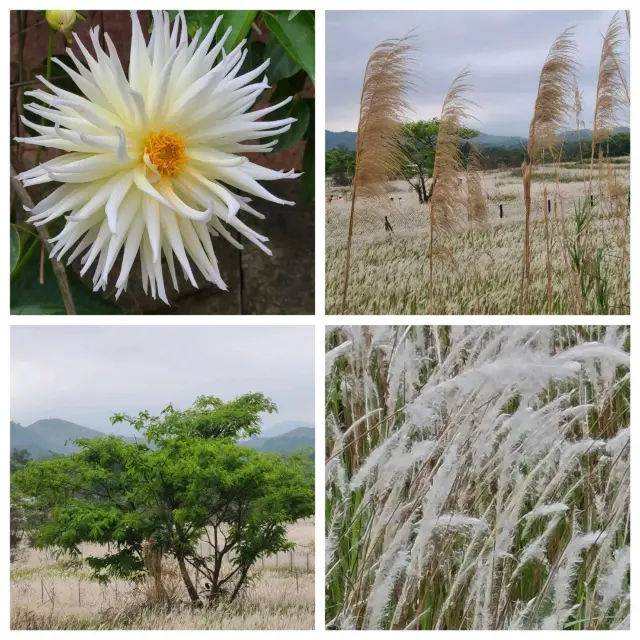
62	21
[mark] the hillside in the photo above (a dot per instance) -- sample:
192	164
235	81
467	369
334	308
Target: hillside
44	437
280	428
22	438
335	139
294	440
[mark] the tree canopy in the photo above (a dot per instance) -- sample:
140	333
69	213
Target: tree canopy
340	163
420	140
190	479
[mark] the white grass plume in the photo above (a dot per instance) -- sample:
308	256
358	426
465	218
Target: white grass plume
466	502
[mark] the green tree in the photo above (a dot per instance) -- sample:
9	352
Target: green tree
18	459
419	144
190	479
340	163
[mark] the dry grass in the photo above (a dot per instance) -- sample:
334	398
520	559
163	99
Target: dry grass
51	592
278	600
612	92
390	273
383	106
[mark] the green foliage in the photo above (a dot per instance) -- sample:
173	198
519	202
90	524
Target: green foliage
194	480
14	247
340	163
19	458
296	34
420	140
282	65
590	270
572	151
28	296
209	417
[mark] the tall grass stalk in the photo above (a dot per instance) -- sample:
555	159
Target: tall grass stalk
554	100
383	107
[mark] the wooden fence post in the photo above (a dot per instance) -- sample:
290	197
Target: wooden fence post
500	212
307	561
41	590
290	560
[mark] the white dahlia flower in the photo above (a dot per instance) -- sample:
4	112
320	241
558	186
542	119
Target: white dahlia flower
151	156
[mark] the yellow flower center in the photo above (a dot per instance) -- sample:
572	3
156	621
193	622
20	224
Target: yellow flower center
166	151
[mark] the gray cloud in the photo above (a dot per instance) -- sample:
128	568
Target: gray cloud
505	49
85	374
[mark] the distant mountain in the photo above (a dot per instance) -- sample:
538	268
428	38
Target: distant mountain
291	441
586	134
54	436
348	138
22	438
334	139
280	428
488	140
44	437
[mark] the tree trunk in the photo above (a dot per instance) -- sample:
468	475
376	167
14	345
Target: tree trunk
423	185
239	584
193	593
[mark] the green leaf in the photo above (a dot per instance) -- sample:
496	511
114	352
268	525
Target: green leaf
307	182
254	58
293	14
37	311
14	247
287	87
27	292
297	36
281	65
240	23
295	109
200	20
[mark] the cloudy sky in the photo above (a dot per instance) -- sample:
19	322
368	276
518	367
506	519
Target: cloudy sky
86	374
506	50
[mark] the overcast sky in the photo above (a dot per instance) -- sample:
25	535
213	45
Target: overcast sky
86	374
506	51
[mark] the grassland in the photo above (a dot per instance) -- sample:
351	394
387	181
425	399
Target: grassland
51	592
479	270
478	478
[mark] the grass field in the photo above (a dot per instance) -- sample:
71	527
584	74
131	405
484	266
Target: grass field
479	270
477	478
49	592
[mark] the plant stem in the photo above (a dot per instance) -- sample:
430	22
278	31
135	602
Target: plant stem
58	268
349	240
48	77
